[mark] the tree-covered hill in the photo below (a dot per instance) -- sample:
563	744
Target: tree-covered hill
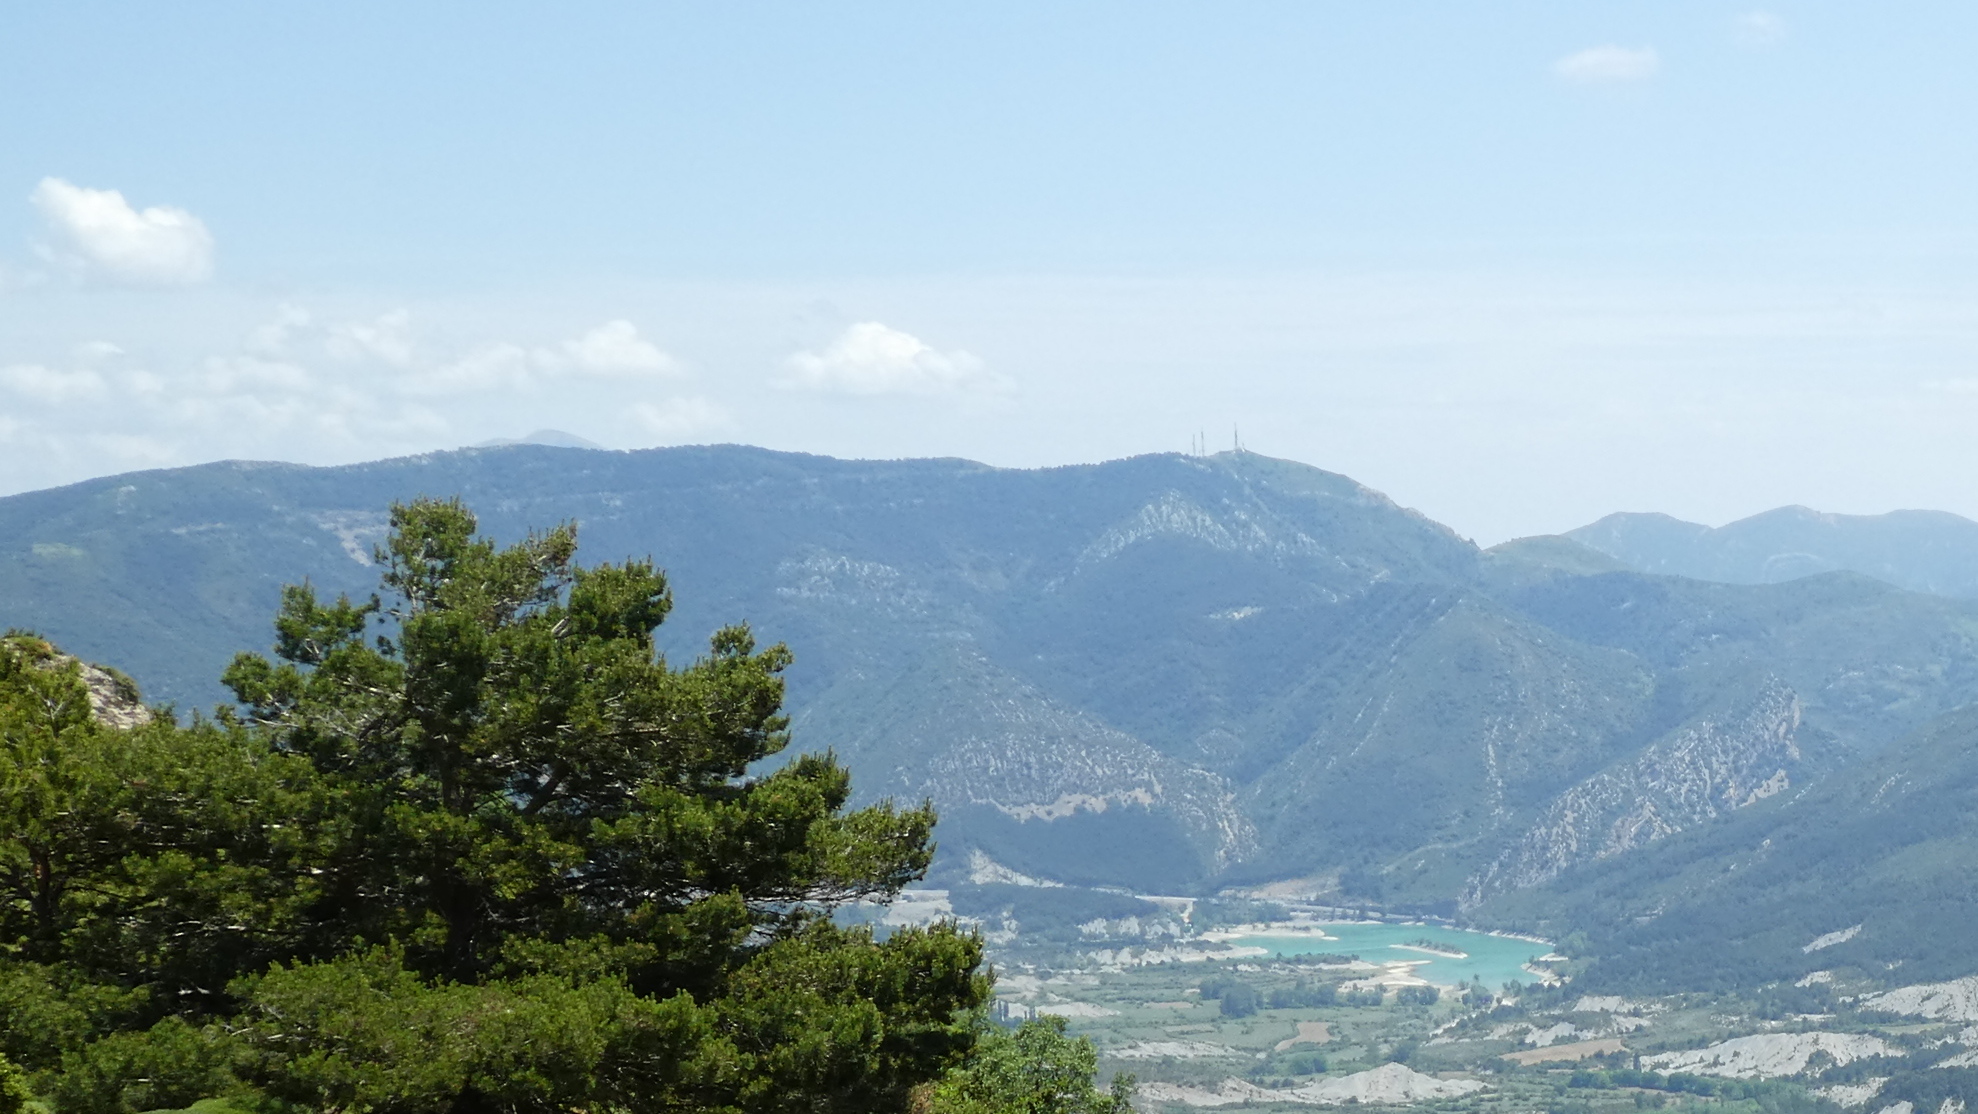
1873	874
1169	673
1923	551
913	589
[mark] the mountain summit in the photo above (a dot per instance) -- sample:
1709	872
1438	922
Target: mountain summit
1169	673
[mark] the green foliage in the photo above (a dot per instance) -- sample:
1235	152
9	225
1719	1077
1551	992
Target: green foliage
1931	1088
14	1092
1417	996
1301	1063
1050	913
1304	994
474	845
157	859
1318	959
520	763
1769	1096
1239	999
47	1010
1035	1069
363	1032
172	1064
1477	996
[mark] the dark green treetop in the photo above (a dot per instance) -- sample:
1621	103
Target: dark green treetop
521	764
1033	1069
153	862
471	846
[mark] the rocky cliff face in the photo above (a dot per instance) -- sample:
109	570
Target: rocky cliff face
1028	778
113	697
1701	771
114	700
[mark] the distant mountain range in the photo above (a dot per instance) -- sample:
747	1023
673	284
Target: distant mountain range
1923	551
1177	673
554	438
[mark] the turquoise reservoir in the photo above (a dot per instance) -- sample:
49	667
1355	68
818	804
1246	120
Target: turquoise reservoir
1495	959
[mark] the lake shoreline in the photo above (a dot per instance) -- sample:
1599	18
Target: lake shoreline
1495	958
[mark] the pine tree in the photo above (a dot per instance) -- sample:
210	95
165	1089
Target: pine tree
473	845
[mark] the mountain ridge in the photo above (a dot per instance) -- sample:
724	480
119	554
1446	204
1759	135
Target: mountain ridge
1921	550
1171	673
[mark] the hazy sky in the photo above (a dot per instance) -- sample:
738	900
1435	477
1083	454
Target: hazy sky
1517	265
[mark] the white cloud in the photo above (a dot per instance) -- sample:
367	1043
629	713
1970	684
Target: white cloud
252	374
872	359
1607	65
614	348
343	384
146	383
489	367
93	352
678	417
387	339
1760	28
272	339
52	385
92	379
101	235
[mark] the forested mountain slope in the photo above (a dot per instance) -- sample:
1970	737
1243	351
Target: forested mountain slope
1167	672
1872	873
925	599
1924	551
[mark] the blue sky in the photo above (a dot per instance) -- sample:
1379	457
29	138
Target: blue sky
1517	265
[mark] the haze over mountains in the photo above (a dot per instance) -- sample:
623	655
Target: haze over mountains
1923	551
1176	673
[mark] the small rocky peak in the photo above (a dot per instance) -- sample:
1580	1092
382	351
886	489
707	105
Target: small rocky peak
114	700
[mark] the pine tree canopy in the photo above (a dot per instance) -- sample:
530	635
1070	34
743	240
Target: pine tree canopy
472	845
